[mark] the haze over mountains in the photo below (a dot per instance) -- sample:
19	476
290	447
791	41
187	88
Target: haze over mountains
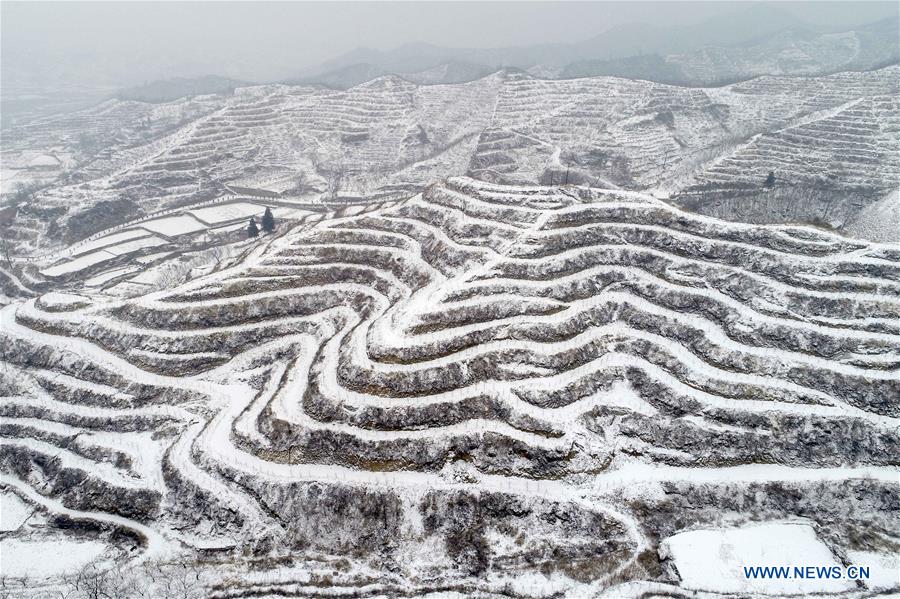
47	67
757	40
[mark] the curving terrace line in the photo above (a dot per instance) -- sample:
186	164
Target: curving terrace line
498	326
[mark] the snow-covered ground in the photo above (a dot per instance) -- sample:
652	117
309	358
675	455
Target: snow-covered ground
76	264
173	226
107	240
228	212
884	568
879	221
511	382
108	276
540	381
178	232
714	559
13	512
38	560
391	136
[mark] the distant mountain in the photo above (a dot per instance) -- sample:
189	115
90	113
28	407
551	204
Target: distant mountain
450	72
173	89
787	52
343	77
830	140
719	50
734	28
355	74
619	42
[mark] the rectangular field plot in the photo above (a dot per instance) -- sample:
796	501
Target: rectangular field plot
77	264
108	240
228	212
714	559
173	226
134	245
108	276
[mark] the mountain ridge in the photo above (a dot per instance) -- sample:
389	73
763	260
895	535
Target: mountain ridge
508	127
586	57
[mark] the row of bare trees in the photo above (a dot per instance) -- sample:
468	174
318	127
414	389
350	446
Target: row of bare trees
149	580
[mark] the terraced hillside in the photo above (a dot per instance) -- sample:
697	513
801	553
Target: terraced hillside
713	147
485	389
853	145
840	156
375	139
642	135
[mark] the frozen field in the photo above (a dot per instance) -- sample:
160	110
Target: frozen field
40	560
13	512
76	264
108	240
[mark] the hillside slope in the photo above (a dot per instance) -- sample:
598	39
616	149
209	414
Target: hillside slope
825	136
476	386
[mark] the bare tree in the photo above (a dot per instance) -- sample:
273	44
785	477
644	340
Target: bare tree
93	583
153	580
336	176
181	581
6	247
665	164
301	182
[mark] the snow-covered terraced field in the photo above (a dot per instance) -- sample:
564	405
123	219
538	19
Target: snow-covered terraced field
639	134
481	387
829	133
118	250
852	147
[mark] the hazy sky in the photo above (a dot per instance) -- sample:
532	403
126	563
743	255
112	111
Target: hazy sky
123	43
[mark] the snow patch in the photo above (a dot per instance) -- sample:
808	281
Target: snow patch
623	395
33	558
174	226
56	300
884	568
713	559
13	512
